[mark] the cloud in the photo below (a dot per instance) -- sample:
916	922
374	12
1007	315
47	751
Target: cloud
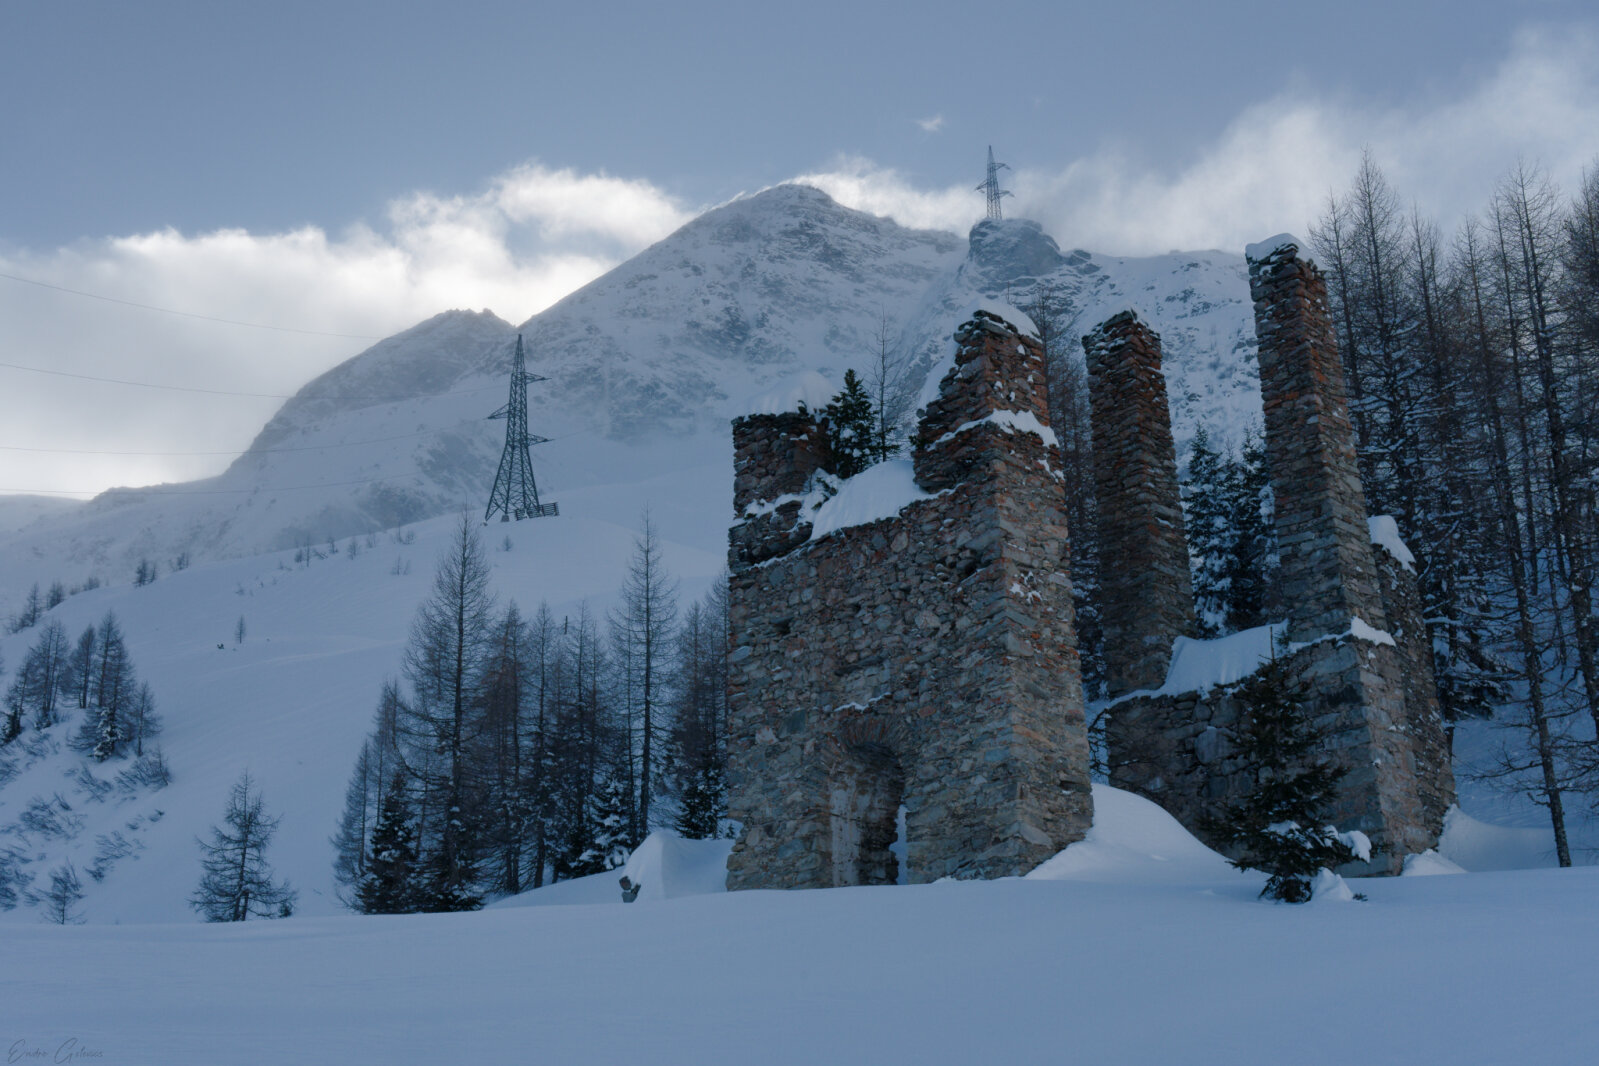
931	125
1273	165
529	237
533	234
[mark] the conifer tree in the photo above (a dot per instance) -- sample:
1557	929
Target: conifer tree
699	732
610	847
1280	826
377	764
32	610
450	642
1208	522
389	884
60	901
80	667
647	617
1250	567
237	882
851	429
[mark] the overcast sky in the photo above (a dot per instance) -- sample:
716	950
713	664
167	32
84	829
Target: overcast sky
345	168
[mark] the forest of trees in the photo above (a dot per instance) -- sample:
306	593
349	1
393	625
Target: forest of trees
519	750
95	675
1473	369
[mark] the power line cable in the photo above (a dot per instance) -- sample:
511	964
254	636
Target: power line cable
248	451
230	392
189	314
203	492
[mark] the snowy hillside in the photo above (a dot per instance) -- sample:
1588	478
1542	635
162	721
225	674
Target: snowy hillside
644	366
291	704
1149	950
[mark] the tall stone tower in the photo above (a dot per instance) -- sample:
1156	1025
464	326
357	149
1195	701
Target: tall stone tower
1146	592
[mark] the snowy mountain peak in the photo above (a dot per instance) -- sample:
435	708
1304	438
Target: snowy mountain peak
425	360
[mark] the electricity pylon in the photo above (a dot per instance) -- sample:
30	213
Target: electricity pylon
991	186
515	492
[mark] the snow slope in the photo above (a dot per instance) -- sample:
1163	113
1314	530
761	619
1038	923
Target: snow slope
1184	965
292	704
644	366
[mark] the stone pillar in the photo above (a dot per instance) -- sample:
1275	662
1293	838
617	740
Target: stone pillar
999	373
774	458
1329	574
1147	597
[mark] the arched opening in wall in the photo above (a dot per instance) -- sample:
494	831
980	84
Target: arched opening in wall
865	791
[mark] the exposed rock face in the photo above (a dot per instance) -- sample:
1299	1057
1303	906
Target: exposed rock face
926	660
1355	633
1147	597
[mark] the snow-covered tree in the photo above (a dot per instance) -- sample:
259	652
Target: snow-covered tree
699	728
389	885
852	428
610	847
237	883
1280	826
1208	523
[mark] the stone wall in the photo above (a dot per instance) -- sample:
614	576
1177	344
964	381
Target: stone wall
1146	593
1175	749
1354	630
925	660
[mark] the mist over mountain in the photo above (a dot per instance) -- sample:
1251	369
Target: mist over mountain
642	370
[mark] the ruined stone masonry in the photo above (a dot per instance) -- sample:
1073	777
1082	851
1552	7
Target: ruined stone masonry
1146	590
1353	627
927	660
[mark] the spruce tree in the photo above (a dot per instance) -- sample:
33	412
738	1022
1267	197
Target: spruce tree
389	886
610	847
1250	566
1208	522
1280	826
851	428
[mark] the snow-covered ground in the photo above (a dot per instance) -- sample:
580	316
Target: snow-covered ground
1139	948
1136	945
293	703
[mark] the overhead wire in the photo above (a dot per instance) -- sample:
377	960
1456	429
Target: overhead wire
188	314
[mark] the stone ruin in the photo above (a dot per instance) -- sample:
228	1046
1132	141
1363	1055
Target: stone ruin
926	662
1353	631
927	659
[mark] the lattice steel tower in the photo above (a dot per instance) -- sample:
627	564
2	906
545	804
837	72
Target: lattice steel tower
515	493
991	186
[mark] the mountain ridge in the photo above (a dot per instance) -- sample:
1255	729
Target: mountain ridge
641	368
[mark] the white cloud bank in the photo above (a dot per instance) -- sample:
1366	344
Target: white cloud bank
1274	164
530	237
534	234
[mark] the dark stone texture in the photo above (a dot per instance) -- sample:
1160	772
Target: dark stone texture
1146	592
927	659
